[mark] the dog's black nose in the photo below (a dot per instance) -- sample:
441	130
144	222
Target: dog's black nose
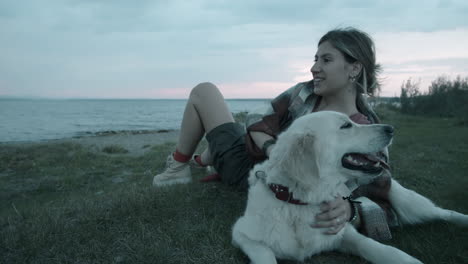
388	130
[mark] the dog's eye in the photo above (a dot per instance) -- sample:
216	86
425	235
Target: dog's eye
346	125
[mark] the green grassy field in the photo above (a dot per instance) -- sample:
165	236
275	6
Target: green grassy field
63	203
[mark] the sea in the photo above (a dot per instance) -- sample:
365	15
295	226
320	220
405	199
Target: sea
46	119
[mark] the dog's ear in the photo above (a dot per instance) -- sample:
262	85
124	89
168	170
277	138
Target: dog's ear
295	153
301	144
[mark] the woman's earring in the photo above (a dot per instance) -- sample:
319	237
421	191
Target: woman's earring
352	78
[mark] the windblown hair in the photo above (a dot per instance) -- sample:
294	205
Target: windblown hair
358	46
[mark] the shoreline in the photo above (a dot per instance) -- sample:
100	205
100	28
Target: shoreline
136	142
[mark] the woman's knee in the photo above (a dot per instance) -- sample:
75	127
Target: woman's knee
204	90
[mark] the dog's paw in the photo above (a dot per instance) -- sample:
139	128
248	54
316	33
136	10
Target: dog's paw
457	218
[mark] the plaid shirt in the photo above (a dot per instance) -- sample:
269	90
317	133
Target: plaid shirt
375	209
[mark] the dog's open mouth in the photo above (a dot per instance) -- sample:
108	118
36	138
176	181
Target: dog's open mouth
369	163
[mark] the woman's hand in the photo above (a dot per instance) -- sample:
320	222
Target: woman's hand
333	216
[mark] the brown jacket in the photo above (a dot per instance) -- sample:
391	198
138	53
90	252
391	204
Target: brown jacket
376	211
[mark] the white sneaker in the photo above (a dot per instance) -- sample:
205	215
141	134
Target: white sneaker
194	164
175	173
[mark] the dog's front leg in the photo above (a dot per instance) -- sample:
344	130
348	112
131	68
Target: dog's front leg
357	244
256	251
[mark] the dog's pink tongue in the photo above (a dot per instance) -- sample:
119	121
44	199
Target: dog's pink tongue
376	159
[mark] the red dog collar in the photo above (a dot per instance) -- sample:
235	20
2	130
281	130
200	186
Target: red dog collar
282	193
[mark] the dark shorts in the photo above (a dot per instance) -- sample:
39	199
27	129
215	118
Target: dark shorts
230	158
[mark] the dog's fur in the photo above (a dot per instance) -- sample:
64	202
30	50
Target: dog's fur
307	159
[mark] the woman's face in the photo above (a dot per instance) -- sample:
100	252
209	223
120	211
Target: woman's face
330	71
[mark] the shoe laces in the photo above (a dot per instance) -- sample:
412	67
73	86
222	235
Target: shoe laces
170	160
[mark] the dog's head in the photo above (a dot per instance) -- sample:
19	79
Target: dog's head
327	143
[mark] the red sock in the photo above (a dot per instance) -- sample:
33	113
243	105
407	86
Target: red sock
180	157
198	160
211	178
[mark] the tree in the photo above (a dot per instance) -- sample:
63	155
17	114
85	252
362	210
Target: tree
409	93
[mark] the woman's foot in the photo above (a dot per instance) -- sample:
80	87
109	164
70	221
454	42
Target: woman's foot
175	173
196	162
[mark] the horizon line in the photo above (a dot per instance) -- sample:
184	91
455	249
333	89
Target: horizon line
135	98
110	98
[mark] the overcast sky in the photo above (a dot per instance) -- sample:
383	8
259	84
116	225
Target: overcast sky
249	49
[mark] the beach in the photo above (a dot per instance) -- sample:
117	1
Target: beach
135	142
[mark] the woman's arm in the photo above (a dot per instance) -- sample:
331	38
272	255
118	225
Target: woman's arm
375	211
260	138
341	209
264	127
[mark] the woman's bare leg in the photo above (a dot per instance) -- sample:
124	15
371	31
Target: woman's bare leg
205	110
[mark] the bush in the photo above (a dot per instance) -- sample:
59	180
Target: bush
240	117
445	98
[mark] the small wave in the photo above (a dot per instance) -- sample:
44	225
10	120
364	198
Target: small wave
121	132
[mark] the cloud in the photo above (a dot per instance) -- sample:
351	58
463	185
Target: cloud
104	48
378	15
164	15
421	56
424	71
397	47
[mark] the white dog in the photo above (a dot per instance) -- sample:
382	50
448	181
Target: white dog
314	158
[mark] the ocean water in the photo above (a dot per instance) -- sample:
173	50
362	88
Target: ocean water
37	120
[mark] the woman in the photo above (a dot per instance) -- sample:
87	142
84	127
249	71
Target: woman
343	71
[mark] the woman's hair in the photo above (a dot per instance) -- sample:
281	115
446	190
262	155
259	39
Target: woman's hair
356	45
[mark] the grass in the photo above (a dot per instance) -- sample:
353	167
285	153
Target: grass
114	149
63	203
